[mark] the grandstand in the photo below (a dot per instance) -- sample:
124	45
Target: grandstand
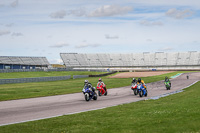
17	62
142	61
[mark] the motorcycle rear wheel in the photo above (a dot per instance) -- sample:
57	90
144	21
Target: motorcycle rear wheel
146	94
106	93
95	96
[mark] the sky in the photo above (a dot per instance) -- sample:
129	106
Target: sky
46	28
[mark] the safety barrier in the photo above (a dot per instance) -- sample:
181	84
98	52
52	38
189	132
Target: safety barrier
101	75
45	79
80	76
47	70
38	79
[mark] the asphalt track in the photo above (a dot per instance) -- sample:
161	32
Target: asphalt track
17	111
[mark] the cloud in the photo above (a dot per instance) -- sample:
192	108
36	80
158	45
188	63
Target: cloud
4	32
111	37
49	36
106	10
17	34
165	49
77	12
84	45
14	3
110	10
59	14
1	5
9	25
60	45
149	23
178	14
149	40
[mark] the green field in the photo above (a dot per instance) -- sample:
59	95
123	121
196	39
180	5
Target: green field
40	89
45	74
178	113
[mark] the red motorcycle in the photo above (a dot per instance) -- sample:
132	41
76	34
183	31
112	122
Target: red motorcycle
134	88
102	90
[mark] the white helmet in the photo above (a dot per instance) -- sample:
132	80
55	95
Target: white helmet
86	82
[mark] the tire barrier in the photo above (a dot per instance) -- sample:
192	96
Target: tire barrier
101	75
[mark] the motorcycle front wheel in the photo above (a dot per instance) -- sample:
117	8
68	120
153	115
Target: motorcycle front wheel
135	91
87	97
141	93
99	92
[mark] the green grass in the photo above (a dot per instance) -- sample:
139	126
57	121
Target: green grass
40	89
45	74
178	113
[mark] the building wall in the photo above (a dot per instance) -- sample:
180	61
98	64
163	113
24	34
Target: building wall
11	66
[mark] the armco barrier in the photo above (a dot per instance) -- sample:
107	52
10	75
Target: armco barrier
44	79
80	76
38	79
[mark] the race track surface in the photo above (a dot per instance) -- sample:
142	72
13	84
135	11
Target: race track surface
16	111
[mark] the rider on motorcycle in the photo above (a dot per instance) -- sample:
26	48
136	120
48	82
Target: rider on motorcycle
89	85
167	80
134	81
101	83
141	82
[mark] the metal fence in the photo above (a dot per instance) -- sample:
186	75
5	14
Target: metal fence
38	79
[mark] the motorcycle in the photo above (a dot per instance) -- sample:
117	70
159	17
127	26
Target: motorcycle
134	88
167	85
101	90
141	90
89	93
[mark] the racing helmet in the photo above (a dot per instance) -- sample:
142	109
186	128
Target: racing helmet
134	79
86	82
139	80
100	79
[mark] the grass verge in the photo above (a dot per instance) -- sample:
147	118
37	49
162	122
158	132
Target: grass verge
40	89
176	113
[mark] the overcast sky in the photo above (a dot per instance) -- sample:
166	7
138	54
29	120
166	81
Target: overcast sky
50	27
